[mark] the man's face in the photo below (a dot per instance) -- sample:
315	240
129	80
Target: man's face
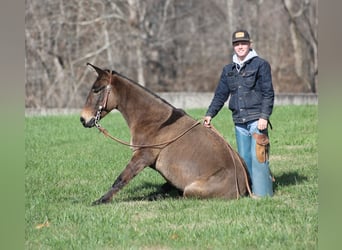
241	49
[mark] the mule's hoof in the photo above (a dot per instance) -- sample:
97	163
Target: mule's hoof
255	197
97	202
100	201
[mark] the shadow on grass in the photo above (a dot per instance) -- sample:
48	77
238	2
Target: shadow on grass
287	179
165	191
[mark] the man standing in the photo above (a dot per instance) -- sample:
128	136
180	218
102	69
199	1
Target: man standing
248	83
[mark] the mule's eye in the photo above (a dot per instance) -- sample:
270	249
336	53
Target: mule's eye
97	89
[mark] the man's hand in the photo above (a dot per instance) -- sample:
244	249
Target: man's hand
206	122
262	124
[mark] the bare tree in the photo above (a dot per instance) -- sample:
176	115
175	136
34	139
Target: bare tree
169	45
303	28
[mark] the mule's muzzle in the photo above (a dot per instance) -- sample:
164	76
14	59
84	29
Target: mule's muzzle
87	124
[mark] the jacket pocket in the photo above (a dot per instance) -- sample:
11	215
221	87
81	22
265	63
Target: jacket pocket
253	100
249	79
232	81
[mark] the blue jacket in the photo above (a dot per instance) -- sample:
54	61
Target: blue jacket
250	90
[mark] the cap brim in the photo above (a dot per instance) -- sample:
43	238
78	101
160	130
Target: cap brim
241	40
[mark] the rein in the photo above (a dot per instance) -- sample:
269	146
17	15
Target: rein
156	145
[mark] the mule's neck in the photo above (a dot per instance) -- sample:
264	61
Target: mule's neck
139	107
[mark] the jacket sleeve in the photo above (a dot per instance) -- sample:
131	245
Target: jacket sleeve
220	97
266	90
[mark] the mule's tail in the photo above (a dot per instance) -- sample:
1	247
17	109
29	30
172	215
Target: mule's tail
247	179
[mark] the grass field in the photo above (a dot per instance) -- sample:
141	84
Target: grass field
68	167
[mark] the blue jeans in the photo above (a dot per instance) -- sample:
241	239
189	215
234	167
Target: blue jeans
259	172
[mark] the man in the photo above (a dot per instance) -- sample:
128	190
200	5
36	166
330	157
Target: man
248	83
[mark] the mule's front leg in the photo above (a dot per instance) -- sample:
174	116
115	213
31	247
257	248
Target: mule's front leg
132	169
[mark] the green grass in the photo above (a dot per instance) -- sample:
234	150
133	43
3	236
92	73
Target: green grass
68	167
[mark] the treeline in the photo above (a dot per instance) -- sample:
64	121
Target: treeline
167	45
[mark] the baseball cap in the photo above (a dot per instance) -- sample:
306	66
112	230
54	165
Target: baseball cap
240	35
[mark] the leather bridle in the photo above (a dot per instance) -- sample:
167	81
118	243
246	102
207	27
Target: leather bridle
103	105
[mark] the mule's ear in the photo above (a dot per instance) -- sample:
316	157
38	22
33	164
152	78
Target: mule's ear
98	70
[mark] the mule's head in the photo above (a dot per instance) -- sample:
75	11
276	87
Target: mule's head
100	100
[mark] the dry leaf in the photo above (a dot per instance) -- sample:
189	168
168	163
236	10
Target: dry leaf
174	236
45	224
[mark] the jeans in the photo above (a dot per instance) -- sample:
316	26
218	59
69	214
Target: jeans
262	184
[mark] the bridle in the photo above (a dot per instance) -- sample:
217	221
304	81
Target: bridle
102	106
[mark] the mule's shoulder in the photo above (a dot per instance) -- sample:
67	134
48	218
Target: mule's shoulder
175	115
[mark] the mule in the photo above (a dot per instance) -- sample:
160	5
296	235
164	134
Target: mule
191	157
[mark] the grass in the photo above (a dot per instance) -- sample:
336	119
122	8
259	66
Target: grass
68	167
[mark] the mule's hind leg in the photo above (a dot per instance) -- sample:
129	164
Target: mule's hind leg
200	189
210	188
195	189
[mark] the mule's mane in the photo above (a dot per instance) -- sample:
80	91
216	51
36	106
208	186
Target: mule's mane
140	86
